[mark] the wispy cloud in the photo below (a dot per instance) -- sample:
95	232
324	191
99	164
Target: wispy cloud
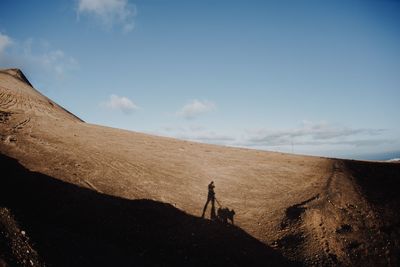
5	41
310	133
109	12
36	57
121	103
194	108
199	134
309	136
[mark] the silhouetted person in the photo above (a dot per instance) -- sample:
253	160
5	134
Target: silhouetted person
210	197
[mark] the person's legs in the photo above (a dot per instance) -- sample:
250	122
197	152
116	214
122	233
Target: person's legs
205	207
213	215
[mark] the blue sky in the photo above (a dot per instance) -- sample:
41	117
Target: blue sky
310	77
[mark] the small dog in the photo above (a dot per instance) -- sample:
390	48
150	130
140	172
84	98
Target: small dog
224	214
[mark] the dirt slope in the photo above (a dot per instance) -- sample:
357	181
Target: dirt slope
289	208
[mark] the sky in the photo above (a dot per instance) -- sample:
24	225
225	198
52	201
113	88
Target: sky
308	77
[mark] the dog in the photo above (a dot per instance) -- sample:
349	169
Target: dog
224	214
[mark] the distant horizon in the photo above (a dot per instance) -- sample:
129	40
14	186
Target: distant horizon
308	77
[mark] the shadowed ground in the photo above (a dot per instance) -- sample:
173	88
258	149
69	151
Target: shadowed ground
74	226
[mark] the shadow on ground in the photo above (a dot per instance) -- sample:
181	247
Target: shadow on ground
379	183
73	226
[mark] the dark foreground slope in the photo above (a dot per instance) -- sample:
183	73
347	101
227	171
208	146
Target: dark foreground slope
73	226
379	184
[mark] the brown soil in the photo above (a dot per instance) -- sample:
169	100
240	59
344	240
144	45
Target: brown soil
90	195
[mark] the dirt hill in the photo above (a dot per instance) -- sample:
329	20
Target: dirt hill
78	194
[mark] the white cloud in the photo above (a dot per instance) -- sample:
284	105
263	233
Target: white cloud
121	103
55	60
311	138
109	12
5	41
195	108
310	133
198	134
37	58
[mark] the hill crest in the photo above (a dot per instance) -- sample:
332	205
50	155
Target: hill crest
18	74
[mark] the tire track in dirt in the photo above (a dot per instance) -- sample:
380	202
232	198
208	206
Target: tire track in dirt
21	124
18	100
317	218
114	169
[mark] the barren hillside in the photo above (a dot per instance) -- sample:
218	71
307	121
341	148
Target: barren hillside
88	195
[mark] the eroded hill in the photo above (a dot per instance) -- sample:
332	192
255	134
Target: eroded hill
145	194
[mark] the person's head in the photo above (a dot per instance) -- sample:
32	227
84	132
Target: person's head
212	182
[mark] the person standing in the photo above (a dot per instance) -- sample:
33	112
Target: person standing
210	197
